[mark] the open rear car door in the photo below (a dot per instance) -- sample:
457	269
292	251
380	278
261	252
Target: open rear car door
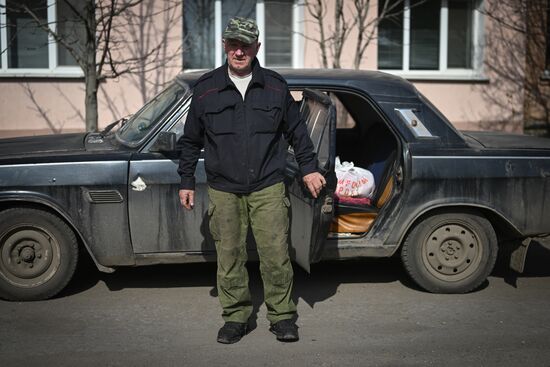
310	218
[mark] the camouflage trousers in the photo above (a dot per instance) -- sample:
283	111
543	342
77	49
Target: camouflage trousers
266	211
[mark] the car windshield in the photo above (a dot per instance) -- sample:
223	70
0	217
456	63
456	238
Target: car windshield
144	121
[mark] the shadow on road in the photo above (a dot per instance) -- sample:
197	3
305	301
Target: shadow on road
320	285
538	259
536	264
326	277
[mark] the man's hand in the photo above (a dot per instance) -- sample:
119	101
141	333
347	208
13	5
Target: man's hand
187	198
315	183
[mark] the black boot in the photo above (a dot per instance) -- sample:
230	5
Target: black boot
232	332
285	330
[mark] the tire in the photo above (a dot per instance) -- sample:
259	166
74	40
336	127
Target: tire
38	254
450	252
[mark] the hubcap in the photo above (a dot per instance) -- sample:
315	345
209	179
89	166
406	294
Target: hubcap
29	256
452	252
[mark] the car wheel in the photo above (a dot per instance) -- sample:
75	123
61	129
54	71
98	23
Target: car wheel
450	252
38	254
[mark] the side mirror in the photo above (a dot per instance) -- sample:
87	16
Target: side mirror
166	142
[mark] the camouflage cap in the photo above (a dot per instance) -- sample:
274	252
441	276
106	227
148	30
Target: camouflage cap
242	29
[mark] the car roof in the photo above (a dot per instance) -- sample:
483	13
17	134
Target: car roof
375	83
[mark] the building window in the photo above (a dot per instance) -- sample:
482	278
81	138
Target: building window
424	36
237	8
198	34
27	49
27	44
429	37
278	21
390	37
71	29
278	33
460	20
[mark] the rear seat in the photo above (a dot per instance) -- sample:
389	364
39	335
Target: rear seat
378	157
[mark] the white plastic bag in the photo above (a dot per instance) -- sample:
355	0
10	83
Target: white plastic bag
353	181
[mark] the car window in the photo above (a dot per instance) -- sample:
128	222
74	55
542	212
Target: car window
177	128
142	122
318	114
344	120
179	118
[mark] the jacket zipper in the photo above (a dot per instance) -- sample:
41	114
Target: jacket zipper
246	146
247	140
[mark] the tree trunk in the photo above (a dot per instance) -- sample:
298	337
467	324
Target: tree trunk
316	11
362	9
90	69
91	100
338	36
360	30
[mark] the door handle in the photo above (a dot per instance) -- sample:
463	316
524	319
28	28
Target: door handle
138	184
327	205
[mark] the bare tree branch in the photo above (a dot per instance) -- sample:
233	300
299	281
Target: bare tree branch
77	13
518	31
342	29
107	23
493	10
317	10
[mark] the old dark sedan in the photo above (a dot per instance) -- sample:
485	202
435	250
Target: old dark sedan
446	201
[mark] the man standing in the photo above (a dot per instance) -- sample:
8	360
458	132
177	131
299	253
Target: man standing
243	116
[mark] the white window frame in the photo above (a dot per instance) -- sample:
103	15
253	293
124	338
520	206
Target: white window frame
444	73
297	31
53	69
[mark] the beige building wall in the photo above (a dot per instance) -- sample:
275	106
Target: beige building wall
34	106
494	101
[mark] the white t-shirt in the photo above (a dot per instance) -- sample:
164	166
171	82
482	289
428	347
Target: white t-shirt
241	82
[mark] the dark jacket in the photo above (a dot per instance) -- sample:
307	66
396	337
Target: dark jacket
245	142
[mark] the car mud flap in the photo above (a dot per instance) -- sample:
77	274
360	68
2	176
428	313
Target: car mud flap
518	254
104	269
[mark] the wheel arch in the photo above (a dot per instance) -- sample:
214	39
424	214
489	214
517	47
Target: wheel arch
40	201
504	229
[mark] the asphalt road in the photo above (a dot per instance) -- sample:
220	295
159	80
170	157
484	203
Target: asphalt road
362	313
